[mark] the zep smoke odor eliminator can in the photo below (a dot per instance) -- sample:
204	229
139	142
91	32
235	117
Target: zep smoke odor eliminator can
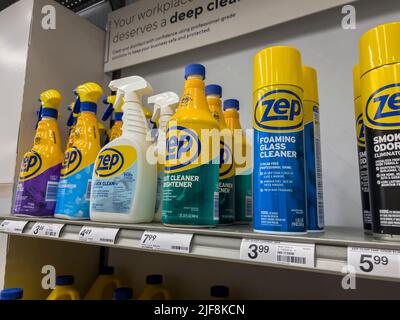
380	97
279	177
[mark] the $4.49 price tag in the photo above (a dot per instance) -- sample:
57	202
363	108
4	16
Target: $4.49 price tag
50	230
164	241
375	262
98	235
297	254
13	226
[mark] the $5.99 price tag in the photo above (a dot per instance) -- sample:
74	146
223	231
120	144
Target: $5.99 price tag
375	262
98	235
51	230
164	241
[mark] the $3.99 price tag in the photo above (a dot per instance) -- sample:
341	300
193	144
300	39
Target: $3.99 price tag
165	241
376	262
98	235
51	230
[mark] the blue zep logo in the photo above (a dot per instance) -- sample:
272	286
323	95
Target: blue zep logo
279	110
360	130
71	162
183	148
225	159
31	165
108	163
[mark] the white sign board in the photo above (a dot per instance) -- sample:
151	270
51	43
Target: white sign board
150	29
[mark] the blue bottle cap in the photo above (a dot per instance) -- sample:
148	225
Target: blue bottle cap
106	271
220	292
214	89
11	294
64	280
231	104
123	294
195	69
154	279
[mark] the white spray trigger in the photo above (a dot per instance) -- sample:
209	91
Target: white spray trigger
164	104
132	88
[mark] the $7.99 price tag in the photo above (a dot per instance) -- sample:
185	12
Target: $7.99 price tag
165	241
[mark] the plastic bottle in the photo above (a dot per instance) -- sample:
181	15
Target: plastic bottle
279	168
102	133
40	170
64	289
190	194
243	155
123	294
312	148
71	123
104	286
154	289
77	168
165	105
226	185
219	293
116	129
124	182
11	294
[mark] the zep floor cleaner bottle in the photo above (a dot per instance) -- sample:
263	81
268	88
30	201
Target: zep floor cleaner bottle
76	173
279	182
40	171
362	153
226	165
380	96
243	163
190	195
312	145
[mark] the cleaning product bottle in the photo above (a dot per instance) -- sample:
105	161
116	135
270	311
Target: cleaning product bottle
74	108
243	153
154	289
124	182
40	171
77	168
190	194
165	105
123	294
116	129
11	294
64	289
104	286
226	184
219	293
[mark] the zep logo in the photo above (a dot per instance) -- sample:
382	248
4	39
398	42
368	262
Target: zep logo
31	165
108	163
183	148
382	110
279	110
225	160
71	162
360	129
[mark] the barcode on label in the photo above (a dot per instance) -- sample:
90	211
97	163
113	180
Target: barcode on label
291	259
249	207
216	205
50	233
106	240
51	191
88	190
318	170
180	248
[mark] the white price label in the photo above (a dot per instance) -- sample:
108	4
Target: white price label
13	226
375	262
164	241
50	230
98	235
298	254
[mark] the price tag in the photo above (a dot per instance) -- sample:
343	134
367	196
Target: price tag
297	254
375	262
164	241
98	235
50	230
13	226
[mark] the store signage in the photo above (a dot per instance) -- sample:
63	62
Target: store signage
13	226
150	29
98	235
275	252
165	241
48	230
374	262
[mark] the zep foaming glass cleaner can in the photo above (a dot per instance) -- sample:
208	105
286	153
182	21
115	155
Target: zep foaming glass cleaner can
279	181
362	153
380	97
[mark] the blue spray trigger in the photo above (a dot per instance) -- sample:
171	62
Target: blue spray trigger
71	119
107	114
105	100
39	115
77	106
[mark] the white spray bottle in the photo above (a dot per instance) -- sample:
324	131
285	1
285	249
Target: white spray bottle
124	183
165	105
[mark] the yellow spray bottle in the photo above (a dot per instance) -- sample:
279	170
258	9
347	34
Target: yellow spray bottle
104	286
74	107
75	183
40	171
116	129
64	289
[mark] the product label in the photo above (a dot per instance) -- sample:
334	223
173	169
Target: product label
226	184
114	183
279	182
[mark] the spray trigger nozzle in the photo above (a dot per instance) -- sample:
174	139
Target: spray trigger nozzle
164	104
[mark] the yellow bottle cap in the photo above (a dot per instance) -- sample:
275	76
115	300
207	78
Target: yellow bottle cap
51	99
310	84
356	81
89	92
276	66
379	46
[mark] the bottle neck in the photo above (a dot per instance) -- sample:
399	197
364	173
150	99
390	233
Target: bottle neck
49	113
215	105
232	119
87	106
194	97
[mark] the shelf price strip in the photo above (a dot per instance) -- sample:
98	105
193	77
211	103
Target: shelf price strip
13	226
98	235
48	230
165	241
375	262
276	252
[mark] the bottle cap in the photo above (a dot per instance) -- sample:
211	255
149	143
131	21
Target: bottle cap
379	46
231	104
11	294
106	271
50	99
123	294
64	280
213	89
195	69
154	279
356	81
220	292
310	84
277	66
89	92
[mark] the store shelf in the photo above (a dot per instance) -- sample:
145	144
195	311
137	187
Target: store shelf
223	243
